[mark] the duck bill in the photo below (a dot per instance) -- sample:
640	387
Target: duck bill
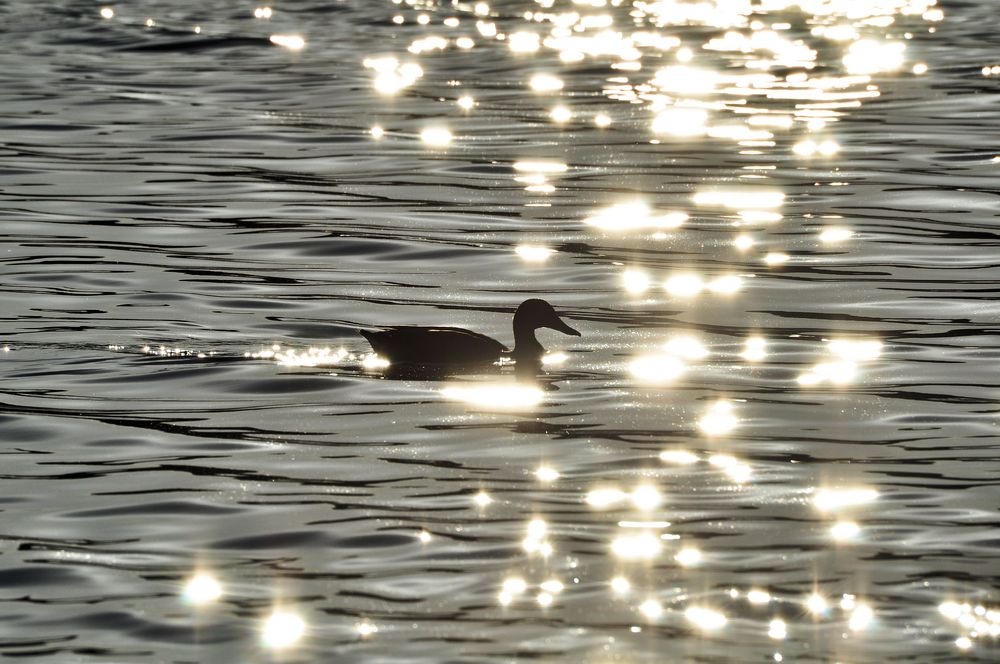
564	328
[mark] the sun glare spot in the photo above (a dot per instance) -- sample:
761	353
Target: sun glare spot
533	253
835	234
681	121
651	609
705	619
844	530
604	498
636	282
642	546
202	589
546	83
282	629
291	42
817	604
437	137
684	285
861	617
678	457
831	500
688	557
546	474
656	369
620	585
754	349
719	419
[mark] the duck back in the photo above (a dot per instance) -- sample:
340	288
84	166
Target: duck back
434	345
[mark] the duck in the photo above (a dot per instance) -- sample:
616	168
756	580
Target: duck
414	345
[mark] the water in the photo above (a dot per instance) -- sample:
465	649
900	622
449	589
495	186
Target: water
176	203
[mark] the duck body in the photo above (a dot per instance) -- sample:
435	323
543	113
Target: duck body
413	345
434	345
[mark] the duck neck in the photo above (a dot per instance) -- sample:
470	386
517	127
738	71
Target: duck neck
525	344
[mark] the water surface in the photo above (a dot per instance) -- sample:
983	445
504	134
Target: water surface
190	207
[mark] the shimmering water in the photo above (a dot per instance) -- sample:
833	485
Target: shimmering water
775	440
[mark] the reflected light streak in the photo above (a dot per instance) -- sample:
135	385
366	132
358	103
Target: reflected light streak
634	215
684	285
437	137
679	457
828	500
533	253
740	199
554	359
719	419
737	471
603	498
726	285
835	234
523	42
869	56
496	396
646	497
291	42
856	351
656	369
548	167
365	629
686	80
313	357
681	121
758	217
777	629
546	83
561	114
620	585
705	619
687	347
642	546
375	362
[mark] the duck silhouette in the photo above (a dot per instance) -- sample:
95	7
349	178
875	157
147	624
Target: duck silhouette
454	346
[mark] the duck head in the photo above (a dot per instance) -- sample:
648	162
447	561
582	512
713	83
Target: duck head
531	315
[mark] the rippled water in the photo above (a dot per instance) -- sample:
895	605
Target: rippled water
177	202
